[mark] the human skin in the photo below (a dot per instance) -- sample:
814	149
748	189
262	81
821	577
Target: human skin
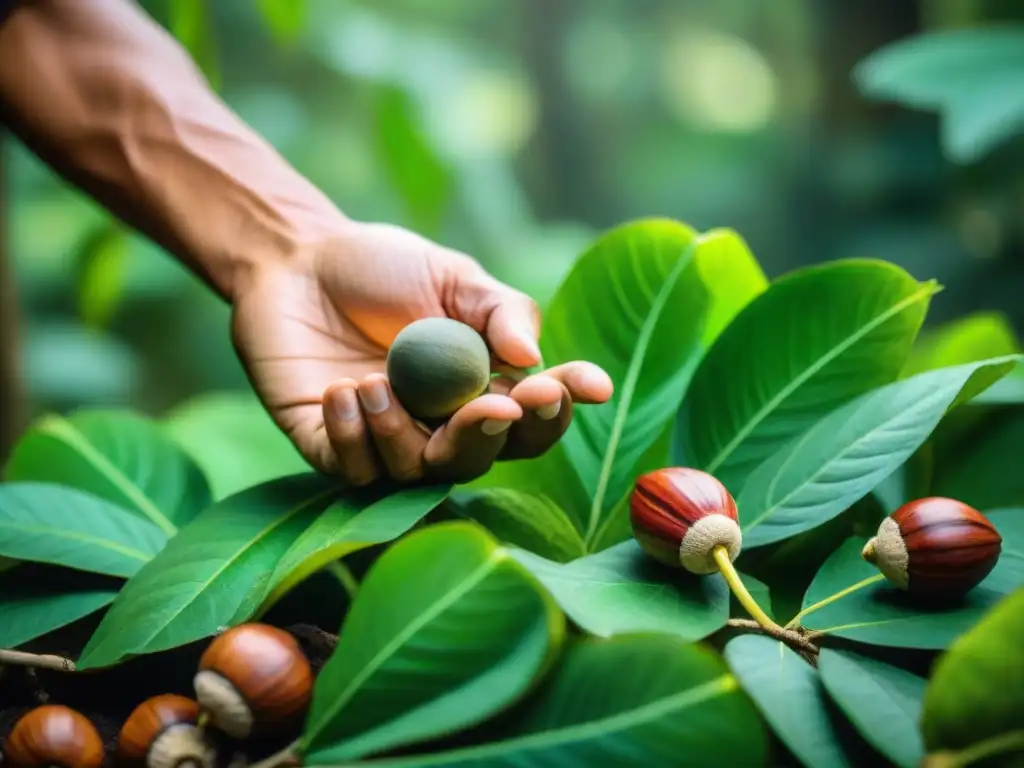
108	99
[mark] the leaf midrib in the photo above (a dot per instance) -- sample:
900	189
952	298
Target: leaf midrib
838	456
477	575
64	533
557	737
629	388
203	586
63	430
801	378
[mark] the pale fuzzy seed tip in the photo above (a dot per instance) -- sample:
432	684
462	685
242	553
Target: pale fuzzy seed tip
697	546
224	704
180	743
890	553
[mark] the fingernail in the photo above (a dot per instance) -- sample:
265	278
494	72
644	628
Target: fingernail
530	345
594	378
374	396
347	404
549	411
494	426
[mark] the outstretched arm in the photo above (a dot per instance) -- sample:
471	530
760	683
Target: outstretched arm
111	101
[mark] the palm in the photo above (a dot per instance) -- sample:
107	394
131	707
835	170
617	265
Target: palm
311	330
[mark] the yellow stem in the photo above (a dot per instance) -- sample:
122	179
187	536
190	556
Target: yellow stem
732	578
832	598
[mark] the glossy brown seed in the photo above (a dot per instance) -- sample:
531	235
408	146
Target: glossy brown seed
935	547
151	720
679	515
265	667
53	735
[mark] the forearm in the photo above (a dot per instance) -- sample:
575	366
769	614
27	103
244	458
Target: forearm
106	97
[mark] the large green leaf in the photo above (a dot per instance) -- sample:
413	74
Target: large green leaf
977	336
621	590
788	692
617	703
1007	391
446	631
643	302
63	526
528	521
212	574
842	457
984	471
116	455
359	519
970	76
871	611
817	338
882	701
976	693
234	440
29	610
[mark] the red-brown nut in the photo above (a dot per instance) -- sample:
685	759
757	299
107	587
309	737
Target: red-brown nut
935	547
680	515
162	732
53	735
253	675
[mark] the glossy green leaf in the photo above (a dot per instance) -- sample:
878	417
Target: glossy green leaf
212	574
846	454
970	76
358	519
790	696
100	263
232	437
423	652
618	703
642	303
30	608
285	18
413	166
63	526
882	701
977	336
621	590
816	339
975	698
524	520
871	611
116	455
1007	391
984	471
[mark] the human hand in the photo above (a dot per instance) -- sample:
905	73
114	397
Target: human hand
313	334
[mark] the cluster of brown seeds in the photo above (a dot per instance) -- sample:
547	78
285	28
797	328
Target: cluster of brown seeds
253	677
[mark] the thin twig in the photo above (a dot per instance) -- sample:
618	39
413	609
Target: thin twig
38	661
790	637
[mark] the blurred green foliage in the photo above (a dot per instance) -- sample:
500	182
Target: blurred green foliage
516	131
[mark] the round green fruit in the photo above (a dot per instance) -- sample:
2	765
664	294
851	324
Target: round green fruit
436	366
